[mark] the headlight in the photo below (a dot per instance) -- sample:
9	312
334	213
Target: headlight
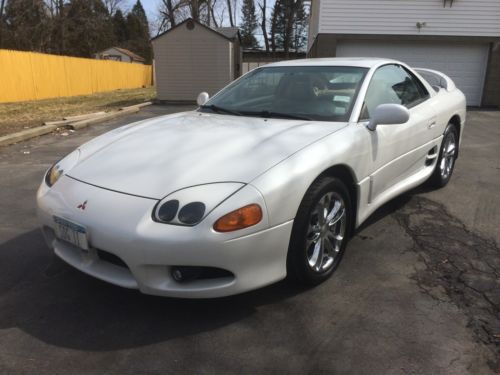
61	167
191	205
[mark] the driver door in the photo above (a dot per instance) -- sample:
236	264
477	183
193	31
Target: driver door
397	151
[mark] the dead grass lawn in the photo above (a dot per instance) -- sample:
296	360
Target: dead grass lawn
15	117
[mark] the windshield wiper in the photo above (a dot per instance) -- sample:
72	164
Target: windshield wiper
279	115
218	109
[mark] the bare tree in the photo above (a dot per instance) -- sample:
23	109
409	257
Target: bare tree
263	24
230	11
169	11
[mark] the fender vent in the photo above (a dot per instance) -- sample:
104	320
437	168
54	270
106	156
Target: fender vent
431	156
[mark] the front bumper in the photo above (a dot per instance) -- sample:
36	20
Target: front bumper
121	224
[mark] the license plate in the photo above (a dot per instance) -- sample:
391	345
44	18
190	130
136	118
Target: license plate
73	233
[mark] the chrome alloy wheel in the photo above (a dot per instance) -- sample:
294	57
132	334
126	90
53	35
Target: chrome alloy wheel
448	157
326	231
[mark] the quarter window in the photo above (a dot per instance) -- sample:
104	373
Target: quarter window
393	84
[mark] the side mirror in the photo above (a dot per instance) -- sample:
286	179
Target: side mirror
202	98
388	114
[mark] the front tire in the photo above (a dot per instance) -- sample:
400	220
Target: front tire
447	156
320	232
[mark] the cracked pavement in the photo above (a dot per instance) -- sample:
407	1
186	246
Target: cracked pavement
417	291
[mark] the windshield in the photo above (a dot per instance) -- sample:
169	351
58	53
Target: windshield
322	93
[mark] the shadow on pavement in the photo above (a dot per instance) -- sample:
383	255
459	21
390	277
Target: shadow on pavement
48	299
57	304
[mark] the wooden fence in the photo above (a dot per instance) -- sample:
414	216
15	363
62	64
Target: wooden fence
35	76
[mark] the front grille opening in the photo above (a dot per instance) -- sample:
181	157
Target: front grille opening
111	258
184	274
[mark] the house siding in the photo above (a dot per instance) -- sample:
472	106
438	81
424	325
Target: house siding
114	52
313	21
190	61
463	18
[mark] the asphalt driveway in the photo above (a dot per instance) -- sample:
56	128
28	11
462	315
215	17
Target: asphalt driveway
418	291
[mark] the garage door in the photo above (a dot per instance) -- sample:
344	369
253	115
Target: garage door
464	63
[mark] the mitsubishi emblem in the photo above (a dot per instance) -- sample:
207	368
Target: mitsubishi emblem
82	206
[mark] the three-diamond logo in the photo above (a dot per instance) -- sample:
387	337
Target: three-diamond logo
82	206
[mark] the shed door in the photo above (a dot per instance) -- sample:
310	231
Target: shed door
464	63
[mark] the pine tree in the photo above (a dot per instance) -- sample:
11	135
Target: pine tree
288	25
278	26
26	26
138	32
120	27
300	27
89	28
248	26
138	11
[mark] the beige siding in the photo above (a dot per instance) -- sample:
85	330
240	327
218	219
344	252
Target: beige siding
464	17
190	61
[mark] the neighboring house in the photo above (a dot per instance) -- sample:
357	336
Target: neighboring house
191	58
458	37
119	54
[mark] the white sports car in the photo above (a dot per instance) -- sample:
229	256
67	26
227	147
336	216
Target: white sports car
268	178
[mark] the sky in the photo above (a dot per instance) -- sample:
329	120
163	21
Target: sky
150	6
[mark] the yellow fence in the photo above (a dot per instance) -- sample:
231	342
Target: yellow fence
34	76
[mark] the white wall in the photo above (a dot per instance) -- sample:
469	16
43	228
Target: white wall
464	18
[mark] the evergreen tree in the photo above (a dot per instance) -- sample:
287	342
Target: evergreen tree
138	11
300	28
89	28
26	26
120	27
248	26
288	25
278	26
138	32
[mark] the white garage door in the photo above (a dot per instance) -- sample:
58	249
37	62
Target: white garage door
464	63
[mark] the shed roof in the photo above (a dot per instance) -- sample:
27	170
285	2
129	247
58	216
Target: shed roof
229	33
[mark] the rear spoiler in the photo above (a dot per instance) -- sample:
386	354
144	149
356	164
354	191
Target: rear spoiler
435	78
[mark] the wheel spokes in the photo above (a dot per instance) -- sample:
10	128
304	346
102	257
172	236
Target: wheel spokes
326	231
316	259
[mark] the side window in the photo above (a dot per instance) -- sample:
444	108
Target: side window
393	84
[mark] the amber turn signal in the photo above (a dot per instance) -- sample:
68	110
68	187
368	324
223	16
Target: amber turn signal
238	219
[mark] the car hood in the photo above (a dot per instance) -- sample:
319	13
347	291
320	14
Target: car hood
155	157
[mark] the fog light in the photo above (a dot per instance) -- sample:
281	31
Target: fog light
177	274
185	273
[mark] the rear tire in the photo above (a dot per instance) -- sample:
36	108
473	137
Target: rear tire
320	232
446	160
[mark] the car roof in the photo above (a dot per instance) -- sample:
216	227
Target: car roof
364	62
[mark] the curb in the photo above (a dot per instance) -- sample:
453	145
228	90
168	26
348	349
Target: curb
140	105
84	123
44	129
26	134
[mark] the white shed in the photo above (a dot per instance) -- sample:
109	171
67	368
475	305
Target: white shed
191	58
